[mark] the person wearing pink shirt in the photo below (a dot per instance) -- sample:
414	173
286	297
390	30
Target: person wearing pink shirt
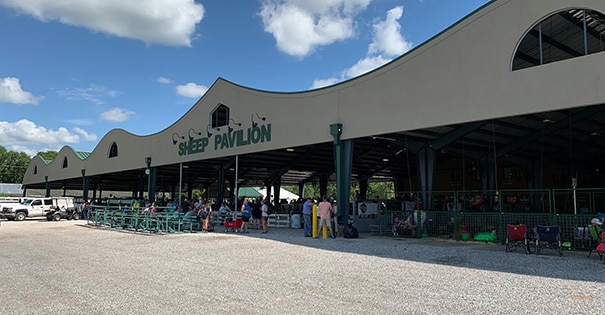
325	210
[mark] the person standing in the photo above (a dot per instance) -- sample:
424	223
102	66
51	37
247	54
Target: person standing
307	212
264	216
325	211
206	211
256	214
246	214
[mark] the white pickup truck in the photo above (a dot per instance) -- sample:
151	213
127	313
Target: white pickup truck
35	207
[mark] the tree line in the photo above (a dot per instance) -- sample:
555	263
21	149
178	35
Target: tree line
14	164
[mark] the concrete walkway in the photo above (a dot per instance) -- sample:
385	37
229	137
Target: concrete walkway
67	267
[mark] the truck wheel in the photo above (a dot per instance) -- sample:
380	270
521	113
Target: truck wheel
20	216
57	217
76	216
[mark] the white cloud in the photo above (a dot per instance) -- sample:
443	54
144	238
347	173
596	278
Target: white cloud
387	35
151	21
387	43
94	93
25	135
117	114
191	90
11	92
163	80
300	26
87	136
319	83
364	65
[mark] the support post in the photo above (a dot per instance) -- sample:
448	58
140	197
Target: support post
47	186
85	184
342	161
150	172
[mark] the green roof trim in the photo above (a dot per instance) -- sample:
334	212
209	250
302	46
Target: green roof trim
82	155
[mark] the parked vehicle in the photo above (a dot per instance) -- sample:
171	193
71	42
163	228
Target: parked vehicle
7	200
32	207
56	214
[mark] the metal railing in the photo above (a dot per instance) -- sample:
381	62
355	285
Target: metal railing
461	214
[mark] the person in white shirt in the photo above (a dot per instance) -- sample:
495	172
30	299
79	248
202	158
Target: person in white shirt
264	216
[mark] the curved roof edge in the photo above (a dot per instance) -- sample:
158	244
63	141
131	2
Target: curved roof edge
428	41
45	161
234	84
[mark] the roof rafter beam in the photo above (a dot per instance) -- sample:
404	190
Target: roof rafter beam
557	44
452	136
534	136
301	158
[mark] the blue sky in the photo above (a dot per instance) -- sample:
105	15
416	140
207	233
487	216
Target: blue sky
70	71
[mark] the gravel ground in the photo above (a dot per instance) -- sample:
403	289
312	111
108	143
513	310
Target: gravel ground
68	267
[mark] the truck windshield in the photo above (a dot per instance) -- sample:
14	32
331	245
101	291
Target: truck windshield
26	202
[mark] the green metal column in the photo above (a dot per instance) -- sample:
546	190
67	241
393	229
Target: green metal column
426	167
343	155
85	183
47	193
221	186
342	200
141	187
151	179
323	185
363	189
276	191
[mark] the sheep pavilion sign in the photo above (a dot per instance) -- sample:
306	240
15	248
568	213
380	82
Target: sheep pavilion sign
235	138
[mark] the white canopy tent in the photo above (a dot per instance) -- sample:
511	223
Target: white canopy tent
283	194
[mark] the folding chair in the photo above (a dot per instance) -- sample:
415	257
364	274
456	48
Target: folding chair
548	237
516	236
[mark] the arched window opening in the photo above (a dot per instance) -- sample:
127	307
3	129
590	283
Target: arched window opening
220	116
113	150
563	35
65	162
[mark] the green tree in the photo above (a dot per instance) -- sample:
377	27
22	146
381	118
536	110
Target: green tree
48	155
384	190
12	166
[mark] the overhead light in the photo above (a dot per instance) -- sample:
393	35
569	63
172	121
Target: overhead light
385	160
382	138
595	134
290	150
548	121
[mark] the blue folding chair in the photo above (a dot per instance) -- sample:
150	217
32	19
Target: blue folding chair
548	237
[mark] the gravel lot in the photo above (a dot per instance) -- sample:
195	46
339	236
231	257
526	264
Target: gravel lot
67	267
